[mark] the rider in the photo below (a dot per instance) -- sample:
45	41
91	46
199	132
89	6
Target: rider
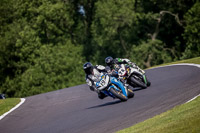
93	75
113	64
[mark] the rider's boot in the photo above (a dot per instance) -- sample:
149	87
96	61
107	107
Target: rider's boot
101	95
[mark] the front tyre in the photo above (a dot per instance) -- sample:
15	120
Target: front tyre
118	94
136	80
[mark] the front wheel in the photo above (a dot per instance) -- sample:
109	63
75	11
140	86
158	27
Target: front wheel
118	94
136	80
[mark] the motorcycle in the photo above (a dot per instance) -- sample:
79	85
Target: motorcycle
134	76
112	87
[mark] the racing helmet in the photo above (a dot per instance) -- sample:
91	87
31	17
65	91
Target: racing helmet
109	60
88	67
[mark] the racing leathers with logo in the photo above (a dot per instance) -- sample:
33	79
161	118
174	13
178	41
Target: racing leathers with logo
93	75
113	64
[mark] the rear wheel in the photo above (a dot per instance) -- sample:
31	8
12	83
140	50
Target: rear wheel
148	83
118	94
138	81
130	93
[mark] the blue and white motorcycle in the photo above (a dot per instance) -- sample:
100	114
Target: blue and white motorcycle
112	87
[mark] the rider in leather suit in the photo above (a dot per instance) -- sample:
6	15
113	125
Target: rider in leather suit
93	75
113	65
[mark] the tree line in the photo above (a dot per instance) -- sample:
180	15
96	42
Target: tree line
44	43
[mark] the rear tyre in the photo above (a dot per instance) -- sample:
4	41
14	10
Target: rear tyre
130	93
148	83
118	94
135	80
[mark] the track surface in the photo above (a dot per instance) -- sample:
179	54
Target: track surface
78	110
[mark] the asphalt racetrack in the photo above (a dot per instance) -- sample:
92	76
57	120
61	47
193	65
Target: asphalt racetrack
78	110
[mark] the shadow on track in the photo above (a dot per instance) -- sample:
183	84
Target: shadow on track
105	104
137	89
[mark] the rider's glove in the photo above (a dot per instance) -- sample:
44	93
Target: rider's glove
114	74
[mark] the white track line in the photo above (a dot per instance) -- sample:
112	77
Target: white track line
192	98
22	101
182	64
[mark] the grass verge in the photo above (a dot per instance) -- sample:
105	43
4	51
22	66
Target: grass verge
7	104
193	60
181	119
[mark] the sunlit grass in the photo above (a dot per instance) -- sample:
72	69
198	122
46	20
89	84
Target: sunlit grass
193	61
181	119
7	104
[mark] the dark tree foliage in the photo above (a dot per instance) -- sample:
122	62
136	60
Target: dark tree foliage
191	33
44	43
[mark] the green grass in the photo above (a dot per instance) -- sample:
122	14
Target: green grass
181	119
7	104
193	60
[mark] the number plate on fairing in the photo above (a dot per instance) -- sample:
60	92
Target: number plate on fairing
101	82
